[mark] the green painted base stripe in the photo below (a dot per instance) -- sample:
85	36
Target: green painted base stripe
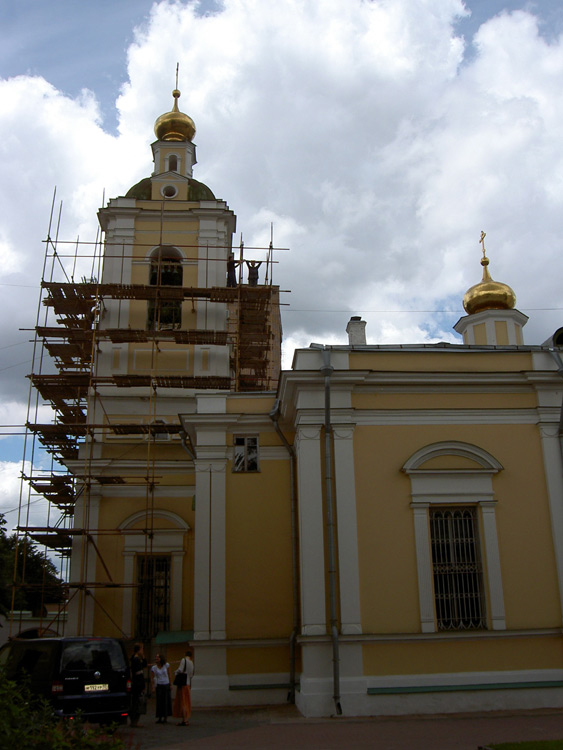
454	688
271	686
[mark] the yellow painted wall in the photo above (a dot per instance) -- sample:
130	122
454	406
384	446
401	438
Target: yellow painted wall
258	560
463	655
442	361
480	334
273	659
501	331
389	602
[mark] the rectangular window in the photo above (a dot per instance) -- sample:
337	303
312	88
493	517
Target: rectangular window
457	569
246	453
153	596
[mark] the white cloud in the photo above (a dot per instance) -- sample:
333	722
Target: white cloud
20	505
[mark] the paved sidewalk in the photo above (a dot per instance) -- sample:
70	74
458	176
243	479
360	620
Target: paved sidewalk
283	727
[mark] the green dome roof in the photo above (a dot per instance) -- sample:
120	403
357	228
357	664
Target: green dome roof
197	191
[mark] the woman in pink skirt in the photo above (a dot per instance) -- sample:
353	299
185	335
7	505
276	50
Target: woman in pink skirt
182	708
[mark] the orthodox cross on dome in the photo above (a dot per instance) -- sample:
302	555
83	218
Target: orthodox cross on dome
482	241
484	259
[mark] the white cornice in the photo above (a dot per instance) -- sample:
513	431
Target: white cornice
452	448
368	417
447	416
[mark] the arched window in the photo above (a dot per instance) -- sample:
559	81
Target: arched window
154	601
165	310
453	503
173	163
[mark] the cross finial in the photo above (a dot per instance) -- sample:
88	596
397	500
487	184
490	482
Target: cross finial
482	241
177	69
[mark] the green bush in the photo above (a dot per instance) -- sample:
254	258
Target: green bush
27	721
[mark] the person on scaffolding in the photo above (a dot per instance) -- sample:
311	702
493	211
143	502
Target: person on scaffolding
253	266
232	266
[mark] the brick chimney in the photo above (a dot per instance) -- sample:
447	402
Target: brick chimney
356	330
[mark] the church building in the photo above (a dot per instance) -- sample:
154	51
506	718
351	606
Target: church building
378	530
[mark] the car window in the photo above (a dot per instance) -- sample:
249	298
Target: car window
32	659
92	655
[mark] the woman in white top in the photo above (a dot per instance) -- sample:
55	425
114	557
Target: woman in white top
160	676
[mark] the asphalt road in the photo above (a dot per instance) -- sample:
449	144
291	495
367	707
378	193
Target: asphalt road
283	727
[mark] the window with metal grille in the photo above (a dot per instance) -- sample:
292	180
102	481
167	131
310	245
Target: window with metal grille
457	569
153	596
246	453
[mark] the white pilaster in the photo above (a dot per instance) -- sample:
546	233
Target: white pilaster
218	551
176	598
553	466
424	567
202	551
83	567
347	525
494	578
311	530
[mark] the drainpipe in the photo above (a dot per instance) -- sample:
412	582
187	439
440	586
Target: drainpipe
559	363
326	370
274	416
184	440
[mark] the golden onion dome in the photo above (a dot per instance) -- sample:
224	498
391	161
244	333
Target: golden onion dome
174	125
488	294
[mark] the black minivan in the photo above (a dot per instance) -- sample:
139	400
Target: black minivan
82	674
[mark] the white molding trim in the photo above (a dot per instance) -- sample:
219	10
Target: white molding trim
181	253
455	487
553	466
164	542
452	448
347	525
446	416
159	491
210	547
311	530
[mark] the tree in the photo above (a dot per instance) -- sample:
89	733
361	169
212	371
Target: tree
37	582
6	568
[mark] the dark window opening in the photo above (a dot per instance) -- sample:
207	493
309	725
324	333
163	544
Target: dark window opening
165	270
153	596
173	163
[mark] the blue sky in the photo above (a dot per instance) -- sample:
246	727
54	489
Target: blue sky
378	137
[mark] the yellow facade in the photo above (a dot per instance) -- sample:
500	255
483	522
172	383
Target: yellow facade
396	511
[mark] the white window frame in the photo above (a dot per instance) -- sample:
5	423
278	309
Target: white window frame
245	469
167	541
455	487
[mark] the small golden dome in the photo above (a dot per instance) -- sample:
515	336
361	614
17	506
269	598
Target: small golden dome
174	125
488	294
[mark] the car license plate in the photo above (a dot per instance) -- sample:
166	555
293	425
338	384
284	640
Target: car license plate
96	688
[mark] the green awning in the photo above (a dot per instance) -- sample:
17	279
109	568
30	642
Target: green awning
174	636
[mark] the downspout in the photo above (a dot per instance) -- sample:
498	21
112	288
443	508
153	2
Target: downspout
326	370
559	363
188	448
274	416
